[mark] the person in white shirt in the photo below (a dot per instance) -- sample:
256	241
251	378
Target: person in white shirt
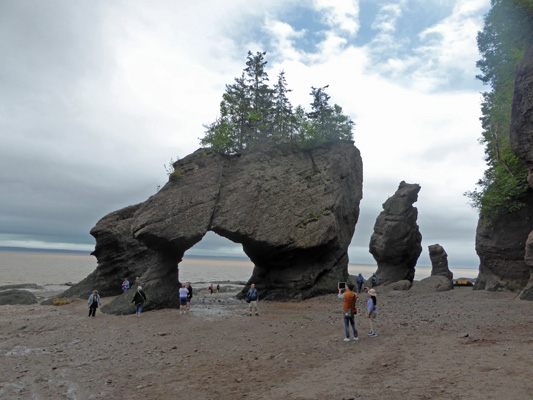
183	299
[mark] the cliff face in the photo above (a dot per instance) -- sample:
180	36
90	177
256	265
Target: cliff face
501	250
521	132
504	248
293	211
522	142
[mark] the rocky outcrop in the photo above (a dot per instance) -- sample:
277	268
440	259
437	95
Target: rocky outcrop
527	292
501	247
395	243
294	212
435	283
439	261
401	285
441	278
119	256
16	296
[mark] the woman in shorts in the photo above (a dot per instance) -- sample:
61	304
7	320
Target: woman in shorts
183	299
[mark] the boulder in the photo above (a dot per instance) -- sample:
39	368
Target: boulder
293	210
435	283
396	241
401	285
16	296
439	261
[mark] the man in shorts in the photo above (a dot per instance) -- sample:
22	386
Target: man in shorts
254	298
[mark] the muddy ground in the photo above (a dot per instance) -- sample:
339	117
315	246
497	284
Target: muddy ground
460	344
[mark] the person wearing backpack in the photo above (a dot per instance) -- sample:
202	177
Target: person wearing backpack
139	299
349	310
253	296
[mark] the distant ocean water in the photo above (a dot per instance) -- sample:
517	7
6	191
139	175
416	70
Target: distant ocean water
51	268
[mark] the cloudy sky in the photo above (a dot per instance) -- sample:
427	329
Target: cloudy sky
96	97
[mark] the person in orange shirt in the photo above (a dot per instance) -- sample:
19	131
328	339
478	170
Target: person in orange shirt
348	309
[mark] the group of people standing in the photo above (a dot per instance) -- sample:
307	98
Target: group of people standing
185	298
139	298
349	310
212	288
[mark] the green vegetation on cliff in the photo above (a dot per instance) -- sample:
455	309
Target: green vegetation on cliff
253	114
507	33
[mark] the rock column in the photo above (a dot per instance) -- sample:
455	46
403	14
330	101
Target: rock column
396	241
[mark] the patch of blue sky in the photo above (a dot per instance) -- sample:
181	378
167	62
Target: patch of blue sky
415	17
301	19
308	20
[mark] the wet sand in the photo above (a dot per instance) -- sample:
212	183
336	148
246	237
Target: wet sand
461	344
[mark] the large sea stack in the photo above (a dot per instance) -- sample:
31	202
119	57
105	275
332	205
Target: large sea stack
521	134
396	241
502	245
294	212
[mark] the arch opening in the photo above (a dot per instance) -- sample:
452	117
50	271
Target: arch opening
215	259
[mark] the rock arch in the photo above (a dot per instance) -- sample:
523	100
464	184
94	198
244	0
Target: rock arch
293	211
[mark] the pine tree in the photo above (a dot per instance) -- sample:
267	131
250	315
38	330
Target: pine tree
283	120
260	95
252	114
237	105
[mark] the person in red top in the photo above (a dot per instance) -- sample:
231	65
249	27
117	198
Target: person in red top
348	308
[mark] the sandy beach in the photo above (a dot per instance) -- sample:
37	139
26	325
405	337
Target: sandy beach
460	344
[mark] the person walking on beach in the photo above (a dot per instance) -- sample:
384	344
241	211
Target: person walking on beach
253	296
360	281
93	303
218	288
183	299
372	311
211	288
139	299
189	296
125	285
348	309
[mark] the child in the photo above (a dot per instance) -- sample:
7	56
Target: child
371	311
125	285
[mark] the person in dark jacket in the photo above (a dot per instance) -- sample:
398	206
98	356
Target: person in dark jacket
93	303
189	296
360	281
139	299
253	296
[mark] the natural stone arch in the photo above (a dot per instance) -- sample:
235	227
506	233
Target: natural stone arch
294	212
